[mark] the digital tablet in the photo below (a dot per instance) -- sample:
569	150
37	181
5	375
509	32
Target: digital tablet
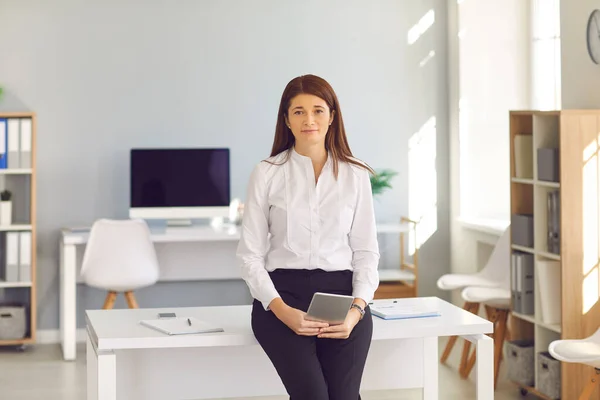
330	308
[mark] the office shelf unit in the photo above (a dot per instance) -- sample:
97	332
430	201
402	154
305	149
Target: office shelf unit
566	292
22	183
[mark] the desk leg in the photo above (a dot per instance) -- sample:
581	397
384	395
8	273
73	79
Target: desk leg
430	368
101	373
484	346
68	294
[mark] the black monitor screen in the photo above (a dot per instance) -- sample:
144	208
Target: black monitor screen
179	177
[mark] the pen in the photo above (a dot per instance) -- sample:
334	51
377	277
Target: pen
189	322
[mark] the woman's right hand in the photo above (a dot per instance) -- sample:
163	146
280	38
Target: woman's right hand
295	319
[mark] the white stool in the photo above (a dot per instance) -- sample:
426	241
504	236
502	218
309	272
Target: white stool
493	273
583	351
120	257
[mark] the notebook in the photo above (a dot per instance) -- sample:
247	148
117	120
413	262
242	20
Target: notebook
393	309
180	326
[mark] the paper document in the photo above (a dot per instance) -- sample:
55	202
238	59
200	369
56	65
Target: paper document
393	309
180	326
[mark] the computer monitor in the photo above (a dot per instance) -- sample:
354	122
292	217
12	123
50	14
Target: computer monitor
179	185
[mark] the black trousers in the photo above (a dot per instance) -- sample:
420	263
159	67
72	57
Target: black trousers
312	368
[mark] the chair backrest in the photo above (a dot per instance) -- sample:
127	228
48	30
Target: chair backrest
497	268
120	252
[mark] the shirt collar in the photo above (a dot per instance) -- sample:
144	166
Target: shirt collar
304	159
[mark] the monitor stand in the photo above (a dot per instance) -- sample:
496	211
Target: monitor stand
179	222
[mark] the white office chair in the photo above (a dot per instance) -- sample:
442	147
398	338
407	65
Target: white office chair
583	351
120	257
492	275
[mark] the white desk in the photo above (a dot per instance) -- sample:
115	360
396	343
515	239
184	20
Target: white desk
178	251
126	360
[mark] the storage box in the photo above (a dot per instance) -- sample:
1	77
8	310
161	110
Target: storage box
522	229
548	375
13	323
547	163
520	363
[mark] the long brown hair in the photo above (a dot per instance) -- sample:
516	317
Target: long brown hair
336	142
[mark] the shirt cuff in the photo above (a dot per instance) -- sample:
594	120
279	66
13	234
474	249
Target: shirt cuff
364	292
268	296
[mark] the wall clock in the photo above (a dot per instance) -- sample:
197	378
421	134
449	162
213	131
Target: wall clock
593	36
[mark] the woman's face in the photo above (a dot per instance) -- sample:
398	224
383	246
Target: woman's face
309	119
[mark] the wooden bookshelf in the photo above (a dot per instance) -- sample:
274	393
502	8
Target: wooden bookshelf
22	181
575	133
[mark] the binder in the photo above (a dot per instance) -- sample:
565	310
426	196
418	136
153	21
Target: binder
522	283
514	293
25	144
553	212
13	143
12	257
25	256
3	139
180	326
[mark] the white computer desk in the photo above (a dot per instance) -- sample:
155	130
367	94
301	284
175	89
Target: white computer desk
126	360
180	252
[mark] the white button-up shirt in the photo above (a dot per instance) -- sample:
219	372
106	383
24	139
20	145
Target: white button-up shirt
292	222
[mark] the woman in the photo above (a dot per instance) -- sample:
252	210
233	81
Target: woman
309	226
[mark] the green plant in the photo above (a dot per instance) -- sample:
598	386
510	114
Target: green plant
5	195
381	181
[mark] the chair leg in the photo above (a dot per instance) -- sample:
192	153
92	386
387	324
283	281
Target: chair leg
589	388
131	301
498	318
452	341
109	302
474	308
468	366
499	336
448	349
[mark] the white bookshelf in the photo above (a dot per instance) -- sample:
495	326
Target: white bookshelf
575	134
21	182
529	196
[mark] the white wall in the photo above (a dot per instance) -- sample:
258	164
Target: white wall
489	75
580	76
107	76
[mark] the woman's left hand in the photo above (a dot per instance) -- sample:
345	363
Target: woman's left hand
341	331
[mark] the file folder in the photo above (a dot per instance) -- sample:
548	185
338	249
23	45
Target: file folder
391	309
3	141
180	326
522	283
12	257
25	257
13	143
25	144
554	222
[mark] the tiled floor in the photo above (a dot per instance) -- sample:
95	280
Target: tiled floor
40	373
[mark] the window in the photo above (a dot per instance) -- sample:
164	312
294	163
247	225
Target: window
545	57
